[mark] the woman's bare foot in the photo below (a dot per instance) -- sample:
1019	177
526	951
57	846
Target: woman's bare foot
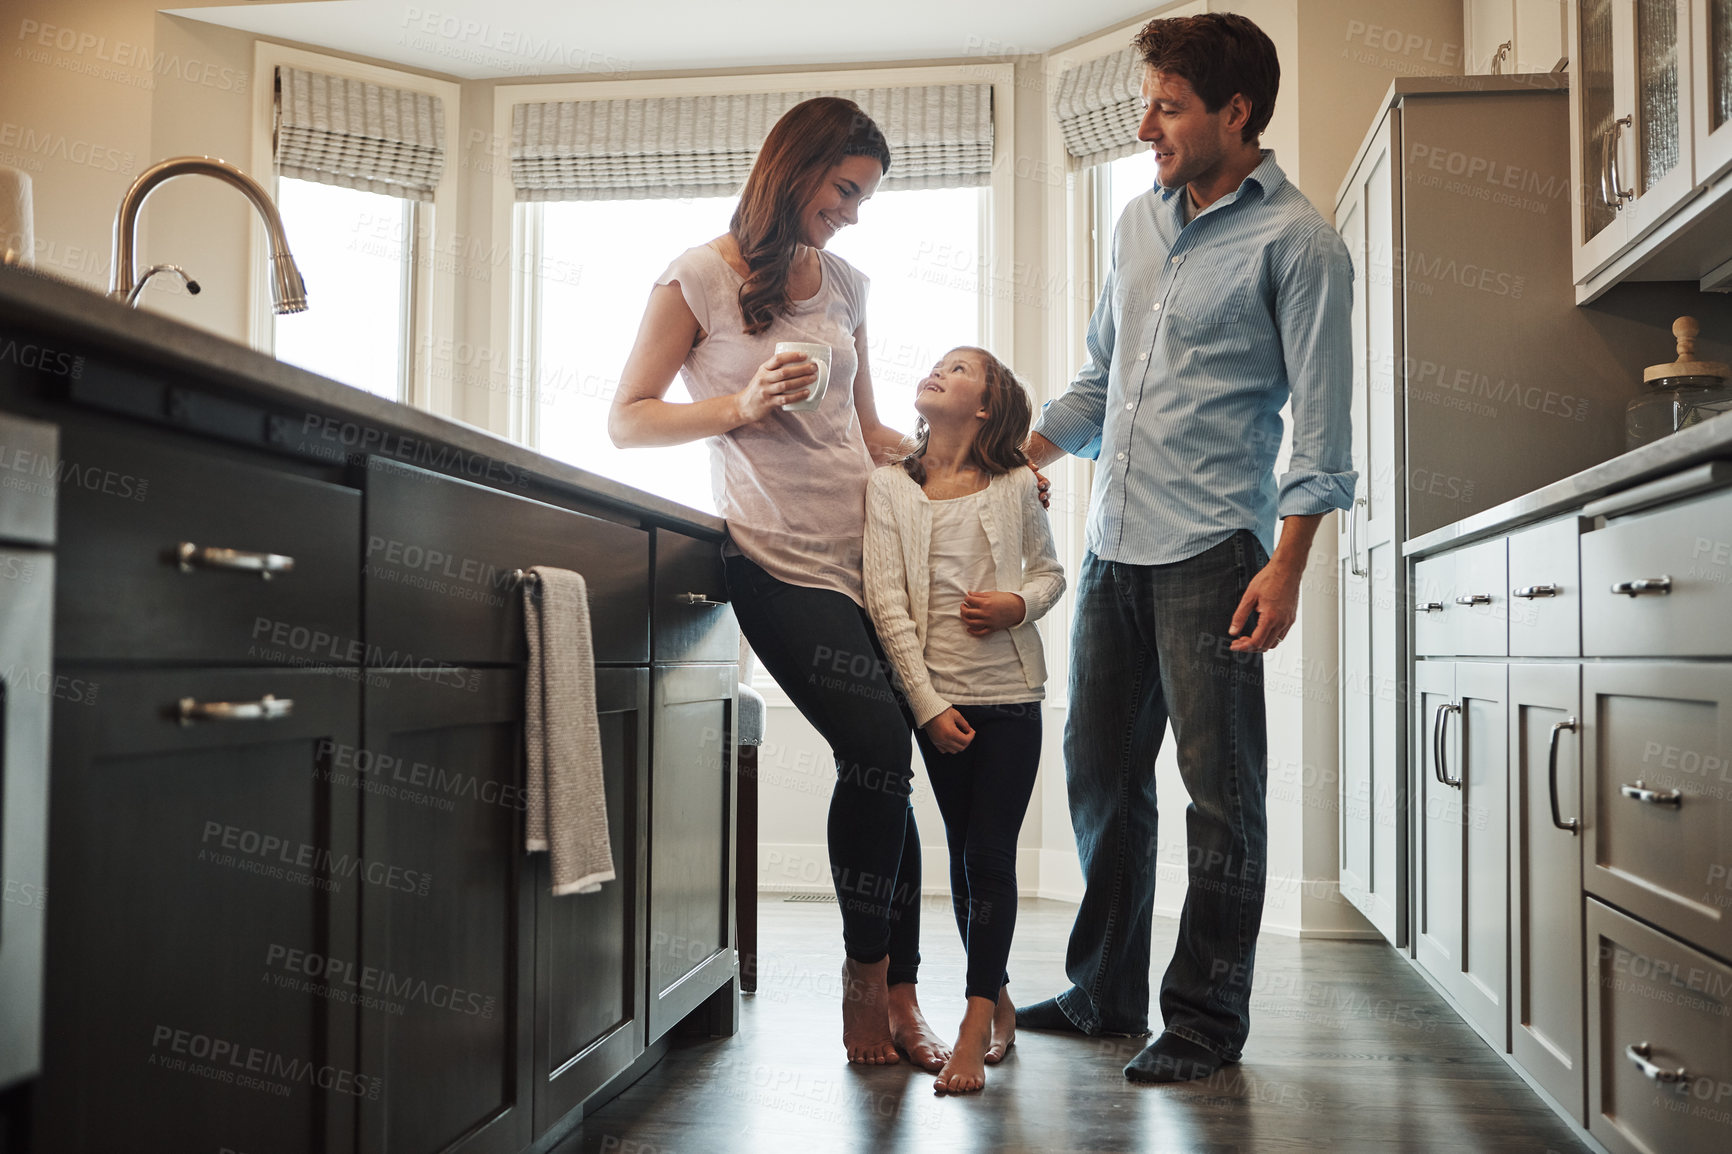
1003	1028
966	1070
866	1013
908	1027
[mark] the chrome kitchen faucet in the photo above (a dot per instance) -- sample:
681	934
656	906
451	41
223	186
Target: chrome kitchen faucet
288	293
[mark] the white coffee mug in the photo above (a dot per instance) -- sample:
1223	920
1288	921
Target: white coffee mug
820	356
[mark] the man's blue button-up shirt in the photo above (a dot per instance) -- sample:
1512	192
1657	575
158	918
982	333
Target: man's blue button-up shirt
1202	333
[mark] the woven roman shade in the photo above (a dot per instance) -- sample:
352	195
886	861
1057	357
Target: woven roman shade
1099	107
353	134
689	146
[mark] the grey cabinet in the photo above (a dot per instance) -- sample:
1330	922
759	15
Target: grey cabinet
1545	606
1658	786
1657	582
1659	1036
1371	574
1461	920
690	617
1545	878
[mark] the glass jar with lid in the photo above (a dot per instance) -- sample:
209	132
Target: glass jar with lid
1680	394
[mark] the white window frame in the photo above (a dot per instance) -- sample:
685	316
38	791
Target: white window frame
432	281
513	412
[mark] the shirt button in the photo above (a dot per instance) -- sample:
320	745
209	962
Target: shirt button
1130	405
1156	308
1121	456
1177	259
1143	357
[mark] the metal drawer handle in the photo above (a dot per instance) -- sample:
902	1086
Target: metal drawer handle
1353	537
1640	792
266	565
1605	139
1529	592
1552	774
266	708
1437	745
1638	1053
1430	607
1474	599
697	599
1643	586
1440	744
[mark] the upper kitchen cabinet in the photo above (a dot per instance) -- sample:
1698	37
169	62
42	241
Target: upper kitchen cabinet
1505	36
1711	86
1631	143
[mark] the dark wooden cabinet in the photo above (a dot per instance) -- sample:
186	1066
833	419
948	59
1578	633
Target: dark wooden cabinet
192	996
690	617
446	942
27	497
270	566
590	996
691	824
439	560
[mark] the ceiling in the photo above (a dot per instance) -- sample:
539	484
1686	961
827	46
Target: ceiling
488	39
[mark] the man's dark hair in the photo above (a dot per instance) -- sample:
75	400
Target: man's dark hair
1219	54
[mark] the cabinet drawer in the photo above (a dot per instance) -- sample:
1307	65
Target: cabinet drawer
1461	603
1659	1039
440	557
1683	556
1433	586
130	505
690	617
1657	746
1545	607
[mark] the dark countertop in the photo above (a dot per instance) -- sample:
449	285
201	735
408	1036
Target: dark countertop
1709	441
89	323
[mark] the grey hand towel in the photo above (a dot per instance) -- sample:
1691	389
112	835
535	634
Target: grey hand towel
567	801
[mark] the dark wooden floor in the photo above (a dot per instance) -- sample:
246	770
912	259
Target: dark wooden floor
1350	1050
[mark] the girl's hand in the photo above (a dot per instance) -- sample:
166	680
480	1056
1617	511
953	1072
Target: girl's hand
781	380
949	731
985	613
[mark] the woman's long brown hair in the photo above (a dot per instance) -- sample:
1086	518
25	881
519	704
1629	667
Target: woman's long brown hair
997	445
808	141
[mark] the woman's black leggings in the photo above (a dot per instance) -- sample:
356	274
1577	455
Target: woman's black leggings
983	794
821	649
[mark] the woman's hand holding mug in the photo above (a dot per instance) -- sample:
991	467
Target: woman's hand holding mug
781	380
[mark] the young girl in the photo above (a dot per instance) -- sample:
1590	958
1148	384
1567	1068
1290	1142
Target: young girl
959	565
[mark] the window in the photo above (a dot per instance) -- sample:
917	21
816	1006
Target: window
599	259
354	250
1116	184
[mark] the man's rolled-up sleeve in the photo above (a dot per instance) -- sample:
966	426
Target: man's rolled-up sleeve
1315	312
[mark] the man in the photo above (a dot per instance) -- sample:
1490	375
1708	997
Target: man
1226	295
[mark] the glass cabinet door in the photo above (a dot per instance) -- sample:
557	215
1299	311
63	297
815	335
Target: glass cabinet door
1652	159
1600	231
1711	61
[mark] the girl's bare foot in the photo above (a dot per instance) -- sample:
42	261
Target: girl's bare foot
966	1070
866	1013
909	1029
1003	1028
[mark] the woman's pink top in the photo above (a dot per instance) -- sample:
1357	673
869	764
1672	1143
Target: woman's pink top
792	486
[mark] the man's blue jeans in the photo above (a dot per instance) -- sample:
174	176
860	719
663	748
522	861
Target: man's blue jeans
1149	645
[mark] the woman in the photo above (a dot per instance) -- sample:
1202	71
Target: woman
792	488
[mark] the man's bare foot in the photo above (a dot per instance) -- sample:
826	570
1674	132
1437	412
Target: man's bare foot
913	1036
1003	1028
966	1070
866	1014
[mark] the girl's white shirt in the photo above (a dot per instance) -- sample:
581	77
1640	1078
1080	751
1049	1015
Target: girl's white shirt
898	574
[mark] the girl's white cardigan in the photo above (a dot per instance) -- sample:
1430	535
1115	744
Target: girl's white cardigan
898	572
